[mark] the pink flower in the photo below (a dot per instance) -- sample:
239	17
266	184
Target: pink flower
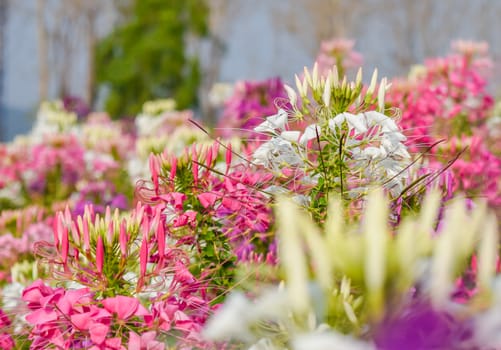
250	102
100	255
35	294
124	307
6	341
145	341
143	257
207	199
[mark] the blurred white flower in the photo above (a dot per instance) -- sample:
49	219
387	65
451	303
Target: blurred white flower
329	341
219	93
239	317
265	344
53	118
231	321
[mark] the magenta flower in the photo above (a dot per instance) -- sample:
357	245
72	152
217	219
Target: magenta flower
6	341
249	104
419	326
124	307
145	341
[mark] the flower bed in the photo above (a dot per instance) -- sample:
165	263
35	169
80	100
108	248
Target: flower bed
329	215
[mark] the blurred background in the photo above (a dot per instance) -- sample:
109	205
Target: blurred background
117	54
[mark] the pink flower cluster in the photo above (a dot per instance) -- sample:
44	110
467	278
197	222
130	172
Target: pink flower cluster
133	281
72	319
21	229
340	53
235	201
60	156
6	341
250	102
447	99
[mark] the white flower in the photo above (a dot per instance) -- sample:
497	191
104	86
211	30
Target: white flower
275	190
273	122
12	192
374	144
238	317
219	93
148	125
329	341
276	154
373	118
354	122
291	94
11	295
291	136
488	324
311	180
264	344
302	200
231	321
310	133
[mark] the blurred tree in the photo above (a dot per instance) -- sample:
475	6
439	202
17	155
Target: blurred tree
147	56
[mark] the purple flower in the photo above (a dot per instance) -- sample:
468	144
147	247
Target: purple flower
76	105
420	327
251	102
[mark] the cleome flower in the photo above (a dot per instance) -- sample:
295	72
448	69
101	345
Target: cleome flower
375	145
337	134
364	286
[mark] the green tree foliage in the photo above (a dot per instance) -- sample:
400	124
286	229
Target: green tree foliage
145	57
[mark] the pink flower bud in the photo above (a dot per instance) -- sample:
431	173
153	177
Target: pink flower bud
107	215
86	237
75	233
139	212
145	227
55	228
155	169
161	240
143	257
100	255
215	149
194	164
111	231
64	245
173	168
67	214
228	157
76	253
209	157
123	238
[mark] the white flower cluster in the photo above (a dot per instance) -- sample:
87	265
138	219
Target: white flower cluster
52	118
281	150
259	323
155	113
373	148
375	144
